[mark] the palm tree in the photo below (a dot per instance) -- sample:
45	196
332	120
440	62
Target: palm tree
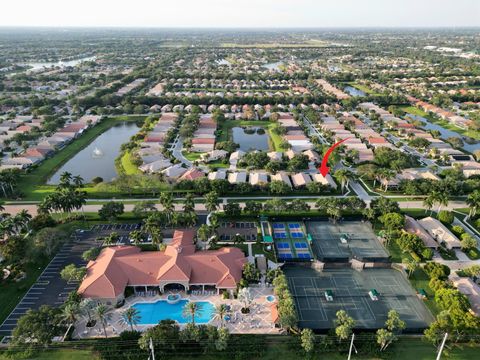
191	309
70	312
166	199
411	266
220	313
211	201
86	306
65	179
428	204
136	236
77	181
437	197
342	176
189	204
157	236
102	315
473	201
131	317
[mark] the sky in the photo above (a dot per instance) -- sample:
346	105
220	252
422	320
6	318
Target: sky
241	13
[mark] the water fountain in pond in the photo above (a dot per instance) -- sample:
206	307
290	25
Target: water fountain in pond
97	153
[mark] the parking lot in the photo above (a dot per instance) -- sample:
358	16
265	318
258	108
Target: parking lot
50	288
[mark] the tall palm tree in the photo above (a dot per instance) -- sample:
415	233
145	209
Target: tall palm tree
342	176
131	317
473	201
136	236
65	179
211	201
70	312
166	199
77	181
102	315
428	204
439	198
189	203
157	236
86	307
191	309
220	313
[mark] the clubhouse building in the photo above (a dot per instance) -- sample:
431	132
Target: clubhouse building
179	267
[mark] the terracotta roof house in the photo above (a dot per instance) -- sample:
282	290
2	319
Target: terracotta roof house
119	267
192	174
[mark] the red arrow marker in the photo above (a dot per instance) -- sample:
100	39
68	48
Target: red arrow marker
324	168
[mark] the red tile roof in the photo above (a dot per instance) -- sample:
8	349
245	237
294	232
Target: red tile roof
119	266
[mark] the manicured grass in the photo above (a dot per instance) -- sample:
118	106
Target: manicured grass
396	254
191	155
12	292
419	280
33	185
404	349
66	354
127	165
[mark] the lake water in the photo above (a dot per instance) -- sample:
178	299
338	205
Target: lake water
88	165
273	65
43	65
249	142
445	133
354	91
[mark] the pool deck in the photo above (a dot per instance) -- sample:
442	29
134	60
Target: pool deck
258	321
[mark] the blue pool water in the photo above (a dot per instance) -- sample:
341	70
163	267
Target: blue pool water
152	313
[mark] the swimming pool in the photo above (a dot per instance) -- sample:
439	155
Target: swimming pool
153	313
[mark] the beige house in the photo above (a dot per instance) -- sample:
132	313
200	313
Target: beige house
301	179
281	176
413	227
237	177
327	180
258	178
440	233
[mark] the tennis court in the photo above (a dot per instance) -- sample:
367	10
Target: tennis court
350	291
291	242
344	241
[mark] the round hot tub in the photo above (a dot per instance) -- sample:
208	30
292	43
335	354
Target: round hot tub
173	298
270	298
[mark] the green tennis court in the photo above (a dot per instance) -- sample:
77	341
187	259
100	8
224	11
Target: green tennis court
344	241
350	291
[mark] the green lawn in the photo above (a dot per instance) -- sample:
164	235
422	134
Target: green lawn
12	292
33	183
127	165
404	349
396	254
191	155
419	280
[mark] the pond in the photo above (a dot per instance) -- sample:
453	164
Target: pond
41	65
251	138
445	133
98	158
354	91
273	65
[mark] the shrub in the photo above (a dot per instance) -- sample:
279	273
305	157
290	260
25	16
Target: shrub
458	230
436	270
445	217
427	254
